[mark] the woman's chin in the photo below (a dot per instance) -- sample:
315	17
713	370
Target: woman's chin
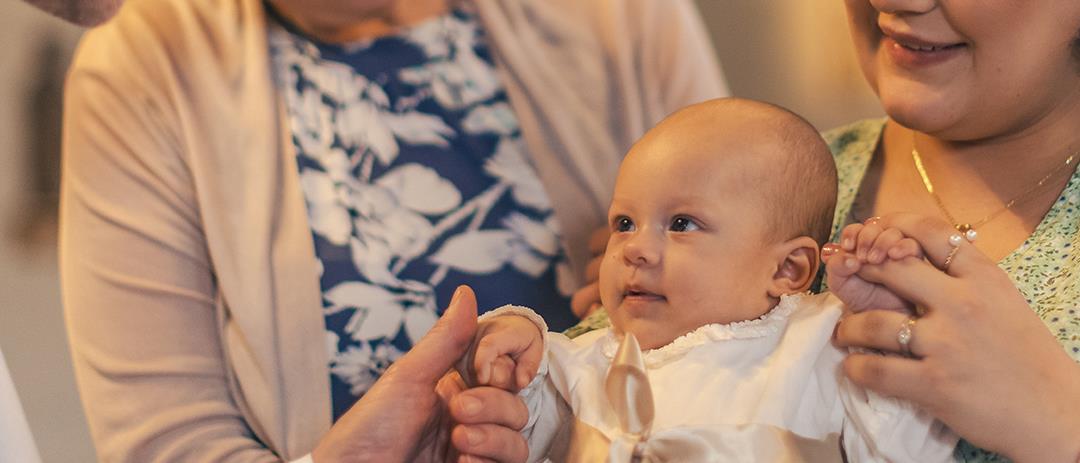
938	111
937	118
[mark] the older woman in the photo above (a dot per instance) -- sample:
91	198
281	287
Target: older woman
977	161
265	202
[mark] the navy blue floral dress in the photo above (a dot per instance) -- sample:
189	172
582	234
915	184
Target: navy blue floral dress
416	180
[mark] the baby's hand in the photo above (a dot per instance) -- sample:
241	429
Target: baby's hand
867	244
507	352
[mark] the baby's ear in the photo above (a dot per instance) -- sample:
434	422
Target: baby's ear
797	264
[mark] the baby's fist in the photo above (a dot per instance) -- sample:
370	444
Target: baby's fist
508	352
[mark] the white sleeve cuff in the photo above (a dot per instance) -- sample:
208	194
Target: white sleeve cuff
517	310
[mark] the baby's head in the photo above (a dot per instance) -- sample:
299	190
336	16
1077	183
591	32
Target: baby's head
718	211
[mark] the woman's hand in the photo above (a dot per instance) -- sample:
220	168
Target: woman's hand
587	299
866	244
418	412
982	361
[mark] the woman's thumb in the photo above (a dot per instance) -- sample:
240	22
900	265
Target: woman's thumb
447	341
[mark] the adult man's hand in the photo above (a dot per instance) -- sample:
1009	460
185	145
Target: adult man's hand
419	412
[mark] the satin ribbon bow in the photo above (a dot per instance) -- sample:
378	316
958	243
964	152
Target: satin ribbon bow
631	399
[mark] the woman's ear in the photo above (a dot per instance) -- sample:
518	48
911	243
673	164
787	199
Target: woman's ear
797	265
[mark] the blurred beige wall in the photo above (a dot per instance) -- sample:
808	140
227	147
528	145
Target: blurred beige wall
791	52
794	53
31	324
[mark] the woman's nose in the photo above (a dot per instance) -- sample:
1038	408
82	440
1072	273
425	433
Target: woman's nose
901	7
642	249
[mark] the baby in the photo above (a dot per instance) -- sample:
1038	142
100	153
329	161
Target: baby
716	222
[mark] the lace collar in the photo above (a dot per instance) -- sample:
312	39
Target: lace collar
770	323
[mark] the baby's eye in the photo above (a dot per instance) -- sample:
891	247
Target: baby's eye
683	224
623	224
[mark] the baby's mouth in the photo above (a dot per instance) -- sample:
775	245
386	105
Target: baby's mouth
641	294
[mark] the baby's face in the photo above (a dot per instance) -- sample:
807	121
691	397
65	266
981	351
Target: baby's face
688	243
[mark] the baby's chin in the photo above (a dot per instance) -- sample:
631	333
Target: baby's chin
649	335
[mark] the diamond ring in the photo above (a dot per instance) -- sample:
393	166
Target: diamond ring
903	337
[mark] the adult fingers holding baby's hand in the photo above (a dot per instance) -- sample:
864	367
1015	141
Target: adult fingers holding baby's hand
905	248
488	424
858	294
985	364
873	242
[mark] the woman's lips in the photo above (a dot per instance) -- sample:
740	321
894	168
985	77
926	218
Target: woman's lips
914	54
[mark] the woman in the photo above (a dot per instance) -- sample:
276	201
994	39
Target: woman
981	142
983	134
265	202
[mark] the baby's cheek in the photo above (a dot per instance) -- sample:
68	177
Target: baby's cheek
609	278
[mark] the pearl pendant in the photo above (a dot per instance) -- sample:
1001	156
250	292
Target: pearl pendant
955	240
966	229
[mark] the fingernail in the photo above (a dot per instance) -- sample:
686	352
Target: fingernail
851	262
829	250
474	437
875	256
457	294
470	405
861	254
872	220
849	244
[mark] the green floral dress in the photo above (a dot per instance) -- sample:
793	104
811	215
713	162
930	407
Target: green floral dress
1046	268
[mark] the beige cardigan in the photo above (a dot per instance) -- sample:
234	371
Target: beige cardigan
188	269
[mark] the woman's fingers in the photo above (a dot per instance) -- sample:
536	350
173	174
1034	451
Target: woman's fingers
884	242
936	238
913	280
841	263
584	299
489	421
848	236
878	329
587	299
488	442
905	248
489	405
864	242
592	270
889	374
598	241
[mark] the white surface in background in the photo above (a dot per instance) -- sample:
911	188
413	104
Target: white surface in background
16	444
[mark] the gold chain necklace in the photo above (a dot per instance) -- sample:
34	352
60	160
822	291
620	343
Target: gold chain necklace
968	229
